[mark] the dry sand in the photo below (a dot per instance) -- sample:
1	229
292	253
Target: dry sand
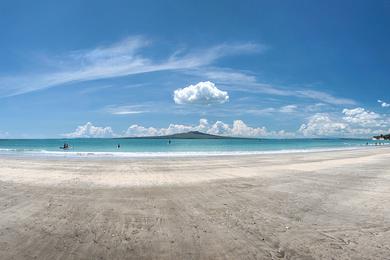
324	205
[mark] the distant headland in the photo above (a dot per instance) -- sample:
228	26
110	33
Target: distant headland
382	137
186	135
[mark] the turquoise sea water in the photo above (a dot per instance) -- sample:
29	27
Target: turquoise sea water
161	147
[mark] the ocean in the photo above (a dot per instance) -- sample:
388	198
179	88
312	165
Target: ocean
107	147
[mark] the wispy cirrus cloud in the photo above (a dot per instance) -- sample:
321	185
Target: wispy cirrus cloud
120	59
4	135
127	109
288	109
224	75
128	57
247	82
127	112
324	97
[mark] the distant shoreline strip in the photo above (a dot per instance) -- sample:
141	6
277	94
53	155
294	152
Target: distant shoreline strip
70	154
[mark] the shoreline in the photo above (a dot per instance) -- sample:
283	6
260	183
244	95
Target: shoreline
319	205
43	154
151	171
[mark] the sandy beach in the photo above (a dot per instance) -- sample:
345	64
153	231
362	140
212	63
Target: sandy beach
320	205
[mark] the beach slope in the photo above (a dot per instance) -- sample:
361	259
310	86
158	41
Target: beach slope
320	205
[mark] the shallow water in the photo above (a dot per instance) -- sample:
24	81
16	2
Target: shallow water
178	147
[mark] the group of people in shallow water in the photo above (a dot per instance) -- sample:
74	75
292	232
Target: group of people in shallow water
65	146
377	143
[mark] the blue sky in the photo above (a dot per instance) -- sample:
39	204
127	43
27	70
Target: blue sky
245	68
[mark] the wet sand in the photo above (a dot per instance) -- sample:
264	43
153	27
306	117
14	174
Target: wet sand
323	205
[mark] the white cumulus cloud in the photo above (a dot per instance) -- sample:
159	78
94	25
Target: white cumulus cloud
241	129
356	122
238	128
361	116
322	125
204	93
90	131
383	103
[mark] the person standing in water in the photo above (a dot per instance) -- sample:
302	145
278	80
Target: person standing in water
118	146
65	146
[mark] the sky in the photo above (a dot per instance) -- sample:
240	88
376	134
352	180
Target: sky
272	69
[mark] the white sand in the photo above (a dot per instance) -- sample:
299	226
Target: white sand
174	171
323	205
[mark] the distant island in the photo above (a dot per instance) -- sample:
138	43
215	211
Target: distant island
187	135
382	137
